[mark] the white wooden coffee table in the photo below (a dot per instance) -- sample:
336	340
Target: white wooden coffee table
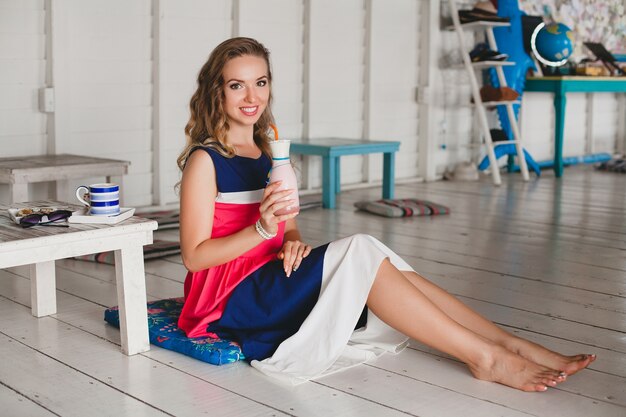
40	246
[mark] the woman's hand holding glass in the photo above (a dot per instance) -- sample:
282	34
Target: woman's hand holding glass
271	203
292	253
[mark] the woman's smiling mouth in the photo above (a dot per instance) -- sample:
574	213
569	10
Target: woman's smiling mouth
249	111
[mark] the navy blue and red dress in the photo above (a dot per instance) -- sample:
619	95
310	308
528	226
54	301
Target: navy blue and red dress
294	328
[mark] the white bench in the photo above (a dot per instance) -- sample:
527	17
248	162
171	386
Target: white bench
40	246
20	171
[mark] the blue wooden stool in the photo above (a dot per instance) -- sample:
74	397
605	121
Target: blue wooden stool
331	149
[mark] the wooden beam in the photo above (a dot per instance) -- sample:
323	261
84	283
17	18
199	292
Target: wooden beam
57	74
58	77
159	27
306	91
367	87
429	46
236	16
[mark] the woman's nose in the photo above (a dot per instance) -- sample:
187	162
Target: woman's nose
250	95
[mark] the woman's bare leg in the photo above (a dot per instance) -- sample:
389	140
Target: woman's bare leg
478	324
402	305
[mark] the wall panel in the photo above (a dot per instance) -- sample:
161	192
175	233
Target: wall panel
394	74
189	30
279	25
105	75
336	71
23	129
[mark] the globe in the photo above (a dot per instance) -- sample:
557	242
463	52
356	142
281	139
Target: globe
552	43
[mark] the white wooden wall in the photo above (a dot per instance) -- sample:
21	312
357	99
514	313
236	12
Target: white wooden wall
109	84
123	72
592	124
22	71
184	32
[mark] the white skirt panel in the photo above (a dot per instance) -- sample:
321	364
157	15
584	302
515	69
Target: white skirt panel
327	342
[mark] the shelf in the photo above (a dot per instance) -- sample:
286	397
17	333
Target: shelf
482	65
504	142
478	145
492	103
480	24
505	107
490	64
500	103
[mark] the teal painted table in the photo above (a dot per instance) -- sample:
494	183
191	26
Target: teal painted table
331	149
560	86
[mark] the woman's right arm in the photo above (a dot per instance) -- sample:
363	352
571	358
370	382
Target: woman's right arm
198	190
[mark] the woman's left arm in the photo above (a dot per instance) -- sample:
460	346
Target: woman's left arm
293	249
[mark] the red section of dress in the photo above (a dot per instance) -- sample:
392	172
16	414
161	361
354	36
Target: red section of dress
207	291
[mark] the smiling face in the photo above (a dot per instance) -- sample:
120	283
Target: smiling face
246	90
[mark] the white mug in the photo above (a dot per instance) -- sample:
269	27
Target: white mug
102	199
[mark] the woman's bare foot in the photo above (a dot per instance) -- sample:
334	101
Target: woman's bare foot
539	354
505	367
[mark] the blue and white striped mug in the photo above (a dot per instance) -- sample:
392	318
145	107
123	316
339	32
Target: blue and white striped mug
102	199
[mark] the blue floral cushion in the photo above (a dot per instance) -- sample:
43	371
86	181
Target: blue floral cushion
164	332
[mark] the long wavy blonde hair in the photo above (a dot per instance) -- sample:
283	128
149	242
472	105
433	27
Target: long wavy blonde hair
208	123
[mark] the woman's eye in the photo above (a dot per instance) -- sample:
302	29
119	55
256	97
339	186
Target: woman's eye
235	86
261	83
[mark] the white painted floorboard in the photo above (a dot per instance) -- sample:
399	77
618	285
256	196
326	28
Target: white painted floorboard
545	259
16	404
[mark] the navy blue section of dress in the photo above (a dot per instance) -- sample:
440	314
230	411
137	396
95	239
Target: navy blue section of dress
233	174
267	307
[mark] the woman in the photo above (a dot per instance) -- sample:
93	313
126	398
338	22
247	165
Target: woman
295	309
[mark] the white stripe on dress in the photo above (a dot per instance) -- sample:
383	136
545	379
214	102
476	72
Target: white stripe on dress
327	342
240	197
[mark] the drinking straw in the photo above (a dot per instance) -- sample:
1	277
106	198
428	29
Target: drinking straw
273	126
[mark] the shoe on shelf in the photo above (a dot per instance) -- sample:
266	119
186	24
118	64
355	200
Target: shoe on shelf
481	52
508	94
498	135
468	16
486	6
483	10
490	93
490	56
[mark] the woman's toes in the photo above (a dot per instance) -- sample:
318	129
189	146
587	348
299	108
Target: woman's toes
550	382
552	377
588	358
573	364
581	358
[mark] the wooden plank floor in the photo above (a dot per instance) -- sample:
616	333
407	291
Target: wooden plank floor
545	259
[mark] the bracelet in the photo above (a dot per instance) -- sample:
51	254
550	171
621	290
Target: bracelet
261	231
